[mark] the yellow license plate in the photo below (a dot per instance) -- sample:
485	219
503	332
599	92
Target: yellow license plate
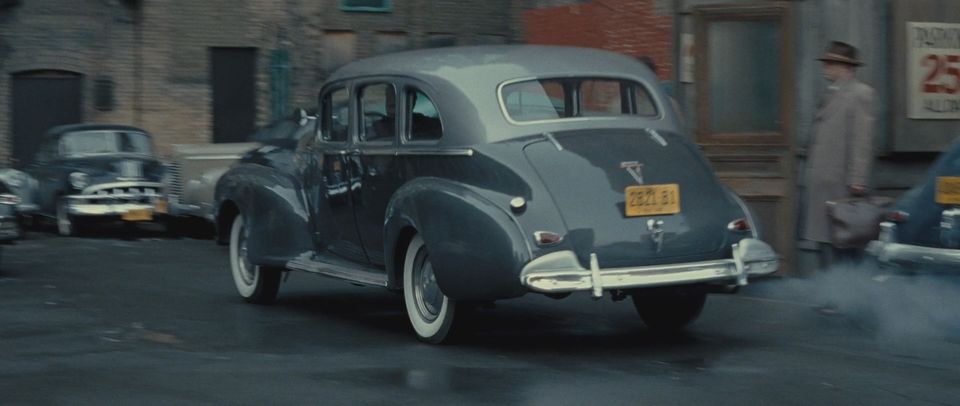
137	215
652	200
948	189
161	206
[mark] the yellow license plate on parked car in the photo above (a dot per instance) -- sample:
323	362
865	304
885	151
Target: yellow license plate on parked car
652	200
138	215
948	189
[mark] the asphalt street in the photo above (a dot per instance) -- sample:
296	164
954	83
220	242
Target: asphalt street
141	318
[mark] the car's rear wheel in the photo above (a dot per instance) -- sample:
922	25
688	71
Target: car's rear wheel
668	311
67	225
256	284
430	311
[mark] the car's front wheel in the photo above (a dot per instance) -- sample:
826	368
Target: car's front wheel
256	284
431	312
668	311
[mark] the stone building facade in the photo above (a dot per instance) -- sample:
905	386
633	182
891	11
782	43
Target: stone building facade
148	63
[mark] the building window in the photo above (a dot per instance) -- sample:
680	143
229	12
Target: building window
376	6
103	93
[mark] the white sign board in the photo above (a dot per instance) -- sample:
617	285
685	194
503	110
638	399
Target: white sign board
933	71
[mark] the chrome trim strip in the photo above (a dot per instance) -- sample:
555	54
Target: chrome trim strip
436	152
553	140
107	209
379	152
352	274
212	157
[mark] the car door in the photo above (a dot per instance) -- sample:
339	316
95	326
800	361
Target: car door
377	175
327	180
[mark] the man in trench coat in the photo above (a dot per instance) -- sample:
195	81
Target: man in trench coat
840	150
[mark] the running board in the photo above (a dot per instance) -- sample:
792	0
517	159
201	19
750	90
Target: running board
348	271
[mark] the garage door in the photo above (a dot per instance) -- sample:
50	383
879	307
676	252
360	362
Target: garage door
42	99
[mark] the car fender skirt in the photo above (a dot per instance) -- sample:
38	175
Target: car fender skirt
561	271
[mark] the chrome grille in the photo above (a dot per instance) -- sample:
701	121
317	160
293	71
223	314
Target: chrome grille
176	182
122	193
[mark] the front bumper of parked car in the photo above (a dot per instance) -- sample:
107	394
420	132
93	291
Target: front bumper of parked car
133	201
9	228
890	253
560	272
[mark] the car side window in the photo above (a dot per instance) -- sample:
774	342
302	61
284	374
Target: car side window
378	106
423	120
335	118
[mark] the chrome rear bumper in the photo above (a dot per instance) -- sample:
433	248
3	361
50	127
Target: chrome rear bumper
891	253
560	271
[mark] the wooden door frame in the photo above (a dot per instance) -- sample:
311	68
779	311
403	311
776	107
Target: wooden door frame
771	11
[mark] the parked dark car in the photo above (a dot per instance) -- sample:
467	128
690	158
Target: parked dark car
923	230
24	186
473	174
97	172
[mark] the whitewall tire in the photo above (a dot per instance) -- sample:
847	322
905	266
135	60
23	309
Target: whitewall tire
430	311
255	284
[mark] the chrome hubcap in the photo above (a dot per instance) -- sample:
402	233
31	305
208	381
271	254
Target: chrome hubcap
246	268
429	299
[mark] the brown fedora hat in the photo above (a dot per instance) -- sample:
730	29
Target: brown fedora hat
841	52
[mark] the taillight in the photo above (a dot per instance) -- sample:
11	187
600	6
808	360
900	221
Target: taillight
741	225
898	216
547	238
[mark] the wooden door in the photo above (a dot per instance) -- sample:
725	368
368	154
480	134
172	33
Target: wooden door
744	107
41	100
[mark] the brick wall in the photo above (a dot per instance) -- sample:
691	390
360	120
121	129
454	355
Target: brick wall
157	54
632	27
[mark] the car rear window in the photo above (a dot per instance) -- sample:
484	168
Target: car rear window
553	99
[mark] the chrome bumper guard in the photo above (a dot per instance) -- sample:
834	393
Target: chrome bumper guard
559	272
888	251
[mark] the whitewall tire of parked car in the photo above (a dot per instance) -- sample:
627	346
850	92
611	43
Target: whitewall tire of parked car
431	312
256	284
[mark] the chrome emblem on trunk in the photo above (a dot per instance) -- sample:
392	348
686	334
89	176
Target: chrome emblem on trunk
635	169
656	232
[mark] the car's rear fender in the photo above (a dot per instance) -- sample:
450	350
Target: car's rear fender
476	246
273	208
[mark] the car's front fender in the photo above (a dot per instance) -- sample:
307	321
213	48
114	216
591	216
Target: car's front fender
476	247
273	207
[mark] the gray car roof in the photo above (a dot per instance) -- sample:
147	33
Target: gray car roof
463	83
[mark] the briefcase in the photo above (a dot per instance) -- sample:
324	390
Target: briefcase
855	221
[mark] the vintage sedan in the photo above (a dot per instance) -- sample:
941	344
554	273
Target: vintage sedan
474	174
97	172
922	233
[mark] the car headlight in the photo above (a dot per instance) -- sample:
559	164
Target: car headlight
79	180
13	178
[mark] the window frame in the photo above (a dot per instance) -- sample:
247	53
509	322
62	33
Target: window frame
386	8
320	133
357	105
704	16
572	99
406	90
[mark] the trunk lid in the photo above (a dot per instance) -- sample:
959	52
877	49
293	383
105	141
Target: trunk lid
585	174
